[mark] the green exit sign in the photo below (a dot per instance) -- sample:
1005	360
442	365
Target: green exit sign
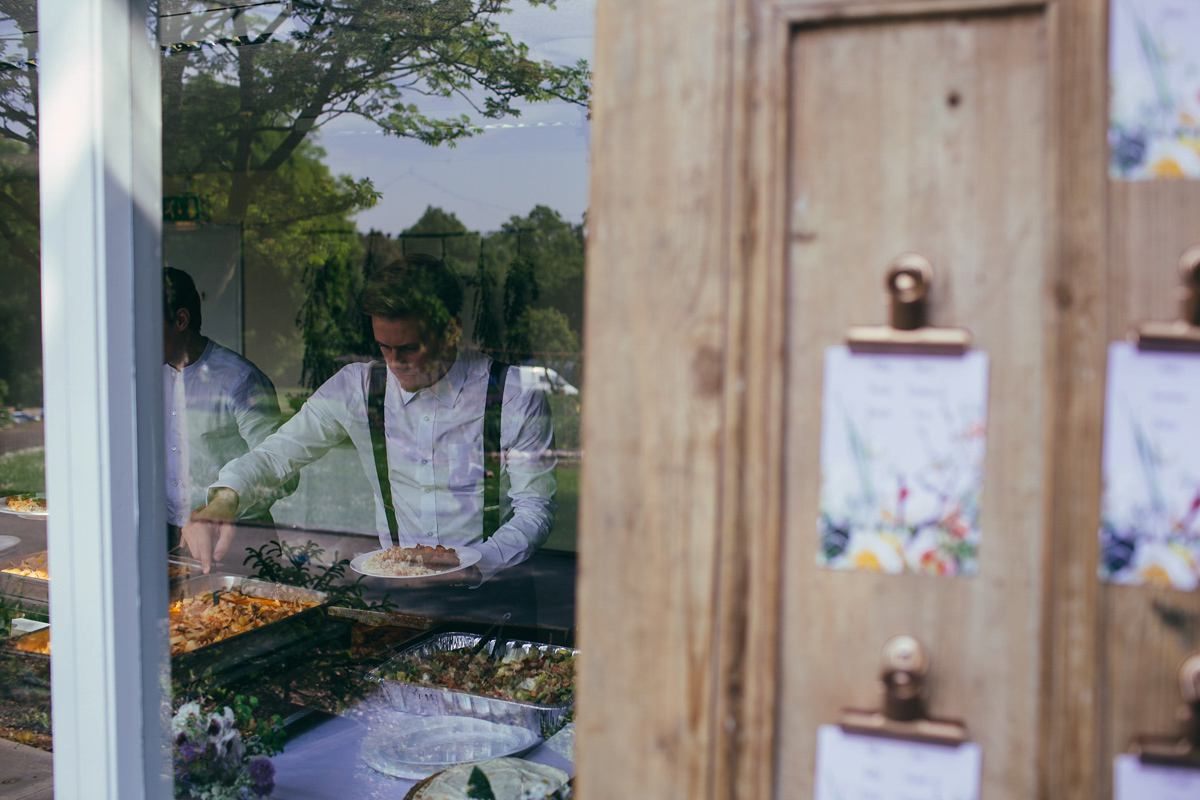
181	208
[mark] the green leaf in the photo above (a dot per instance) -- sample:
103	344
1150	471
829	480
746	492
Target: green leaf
479	787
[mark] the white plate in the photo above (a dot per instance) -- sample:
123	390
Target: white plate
416	747
467	556
23	514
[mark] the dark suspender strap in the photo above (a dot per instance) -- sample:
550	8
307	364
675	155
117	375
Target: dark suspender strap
492	413
376	385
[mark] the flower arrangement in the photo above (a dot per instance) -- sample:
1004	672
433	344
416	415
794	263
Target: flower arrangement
213	762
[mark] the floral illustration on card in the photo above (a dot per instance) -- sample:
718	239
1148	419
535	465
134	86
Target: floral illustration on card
1154	103
1150	512
902	465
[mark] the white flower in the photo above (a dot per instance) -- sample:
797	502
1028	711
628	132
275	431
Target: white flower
187	720
1171	158
225	739
1165	565
875	551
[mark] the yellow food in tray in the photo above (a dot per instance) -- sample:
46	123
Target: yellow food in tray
36	642
198	621
32	567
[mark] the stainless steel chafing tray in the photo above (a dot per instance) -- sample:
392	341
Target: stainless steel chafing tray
250	650
182	568
432	701
37	590
22	587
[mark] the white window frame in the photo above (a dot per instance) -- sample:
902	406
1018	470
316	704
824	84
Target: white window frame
101	221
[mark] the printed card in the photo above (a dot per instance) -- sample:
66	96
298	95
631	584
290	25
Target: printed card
902	447
1133	780
855	767
1154	77
1149	531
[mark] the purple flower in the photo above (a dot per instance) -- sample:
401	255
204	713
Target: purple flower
262	772
187	752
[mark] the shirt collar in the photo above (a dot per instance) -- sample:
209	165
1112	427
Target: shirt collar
447	388
195	365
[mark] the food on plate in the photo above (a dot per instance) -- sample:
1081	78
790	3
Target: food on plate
210	617
507	779
31	567
534	676
178	571
409	561
27	502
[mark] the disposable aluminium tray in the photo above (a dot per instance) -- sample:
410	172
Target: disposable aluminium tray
258	647
430	701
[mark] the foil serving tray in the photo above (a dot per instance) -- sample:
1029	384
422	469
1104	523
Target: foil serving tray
431	701
251	650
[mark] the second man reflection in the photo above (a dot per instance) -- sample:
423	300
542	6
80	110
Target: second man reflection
218	406
425	424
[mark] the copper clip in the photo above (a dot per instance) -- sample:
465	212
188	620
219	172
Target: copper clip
905	666
909	279
1183	749
1183	334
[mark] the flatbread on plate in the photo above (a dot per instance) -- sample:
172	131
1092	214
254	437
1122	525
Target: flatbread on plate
511	779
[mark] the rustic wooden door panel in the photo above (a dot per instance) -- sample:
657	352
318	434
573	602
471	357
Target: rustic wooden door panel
926	134
1145	632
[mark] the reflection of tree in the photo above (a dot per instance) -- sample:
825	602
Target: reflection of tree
242	90
524	288
20	253
243	110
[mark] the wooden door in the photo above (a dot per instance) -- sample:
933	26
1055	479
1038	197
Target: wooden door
923	134
756	165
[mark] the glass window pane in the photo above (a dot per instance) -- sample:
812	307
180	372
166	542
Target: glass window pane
24	585
374	226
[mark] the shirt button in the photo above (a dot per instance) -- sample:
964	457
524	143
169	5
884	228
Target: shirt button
424	460
174	413
174	483
173	448
426	418
427	491
429	533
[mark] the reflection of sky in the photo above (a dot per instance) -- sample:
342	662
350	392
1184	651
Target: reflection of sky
539	158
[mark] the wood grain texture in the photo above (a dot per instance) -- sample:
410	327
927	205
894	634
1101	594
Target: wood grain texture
1147	631
1070	765
657	319
926	134
748	592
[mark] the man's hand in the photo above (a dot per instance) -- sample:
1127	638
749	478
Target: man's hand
215	519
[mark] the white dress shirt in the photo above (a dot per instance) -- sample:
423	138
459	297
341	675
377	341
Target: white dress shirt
230	408
178	480
435	457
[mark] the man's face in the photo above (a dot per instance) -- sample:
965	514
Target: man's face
416	356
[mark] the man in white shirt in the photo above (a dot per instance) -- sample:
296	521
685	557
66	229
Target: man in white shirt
218	405
434	408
